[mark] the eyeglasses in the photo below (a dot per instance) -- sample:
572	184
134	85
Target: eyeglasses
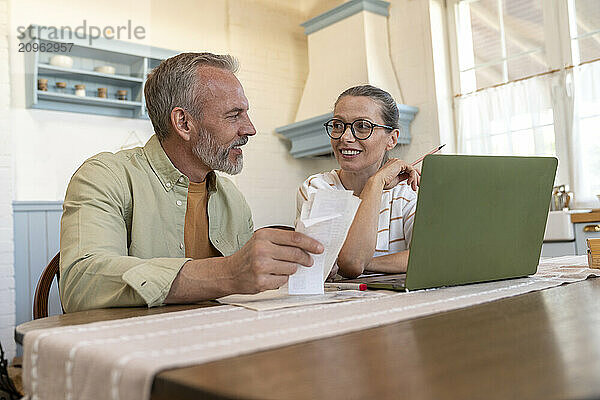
361	128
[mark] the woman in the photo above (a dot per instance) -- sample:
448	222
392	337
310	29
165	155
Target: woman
363	129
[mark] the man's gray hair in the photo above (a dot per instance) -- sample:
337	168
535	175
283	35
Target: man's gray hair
173	84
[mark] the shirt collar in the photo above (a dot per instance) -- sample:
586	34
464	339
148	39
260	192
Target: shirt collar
168	175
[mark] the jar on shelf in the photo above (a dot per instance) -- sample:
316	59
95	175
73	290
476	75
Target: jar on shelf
80	90
102	92
43	84
61	87
121	94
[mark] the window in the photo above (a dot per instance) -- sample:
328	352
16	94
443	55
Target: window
526	80
499	41
584	25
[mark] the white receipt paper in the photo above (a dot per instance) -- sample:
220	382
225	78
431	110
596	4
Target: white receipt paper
326	216
277	299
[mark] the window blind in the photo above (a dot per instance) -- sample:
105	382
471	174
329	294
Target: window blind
499	41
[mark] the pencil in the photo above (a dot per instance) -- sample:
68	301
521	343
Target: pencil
345	285
431	152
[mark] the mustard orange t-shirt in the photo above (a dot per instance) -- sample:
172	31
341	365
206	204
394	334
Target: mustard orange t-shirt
195	231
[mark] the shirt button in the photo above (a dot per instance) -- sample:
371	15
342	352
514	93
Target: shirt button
179	202
168	184
181	246
181	180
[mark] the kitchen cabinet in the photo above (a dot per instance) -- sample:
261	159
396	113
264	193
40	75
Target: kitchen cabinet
586	226
558	249
567	232
584	231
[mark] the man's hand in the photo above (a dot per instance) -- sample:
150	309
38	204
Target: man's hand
395	171
268	259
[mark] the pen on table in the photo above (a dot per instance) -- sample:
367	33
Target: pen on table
431	152
345	285
386	286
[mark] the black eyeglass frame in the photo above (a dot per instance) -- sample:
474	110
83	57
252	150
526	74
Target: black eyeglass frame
351	124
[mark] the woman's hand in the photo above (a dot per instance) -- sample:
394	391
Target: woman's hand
395	171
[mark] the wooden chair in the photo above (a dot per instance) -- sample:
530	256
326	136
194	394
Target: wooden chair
42	290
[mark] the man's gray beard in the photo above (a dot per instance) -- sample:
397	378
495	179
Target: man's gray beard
217	157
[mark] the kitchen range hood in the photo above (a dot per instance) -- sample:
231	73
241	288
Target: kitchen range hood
347	46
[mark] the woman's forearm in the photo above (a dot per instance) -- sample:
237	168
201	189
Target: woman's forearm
357	251
391	264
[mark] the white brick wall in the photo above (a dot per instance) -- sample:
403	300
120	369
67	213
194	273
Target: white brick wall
7	280
412	56
273	73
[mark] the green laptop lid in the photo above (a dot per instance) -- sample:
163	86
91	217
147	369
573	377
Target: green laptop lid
479	218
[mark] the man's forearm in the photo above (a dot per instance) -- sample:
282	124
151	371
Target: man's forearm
265	262
199	280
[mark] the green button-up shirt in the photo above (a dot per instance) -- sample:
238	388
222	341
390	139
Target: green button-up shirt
121	238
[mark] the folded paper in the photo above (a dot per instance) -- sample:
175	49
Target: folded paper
326	216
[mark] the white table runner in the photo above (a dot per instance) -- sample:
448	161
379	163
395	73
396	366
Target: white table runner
119	359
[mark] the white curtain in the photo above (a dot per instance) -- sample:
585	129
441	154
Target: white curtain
519	119
513	119
585	157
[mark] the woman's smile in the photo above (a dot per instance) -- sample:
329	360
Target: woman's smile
349	153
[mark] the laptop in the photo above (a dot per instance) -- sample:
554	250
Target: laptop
478	219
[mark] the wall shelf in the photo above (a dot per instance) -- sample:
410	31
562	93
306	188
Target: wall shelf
132	63
88	105
51	70
70	98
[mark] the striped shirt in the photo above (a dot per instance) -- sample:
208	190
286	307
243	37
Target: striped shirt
396	214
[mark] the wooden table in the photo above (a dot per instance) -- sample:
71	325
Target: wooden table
541	345
103	314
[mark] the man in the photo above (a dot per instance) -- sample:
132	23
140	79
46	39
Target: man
156	225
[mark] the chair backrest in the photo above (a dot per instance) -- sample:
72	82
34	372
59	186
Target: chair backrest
42	290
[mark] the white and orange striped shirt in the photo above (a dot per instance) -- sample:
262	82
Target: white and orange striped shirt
396	215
